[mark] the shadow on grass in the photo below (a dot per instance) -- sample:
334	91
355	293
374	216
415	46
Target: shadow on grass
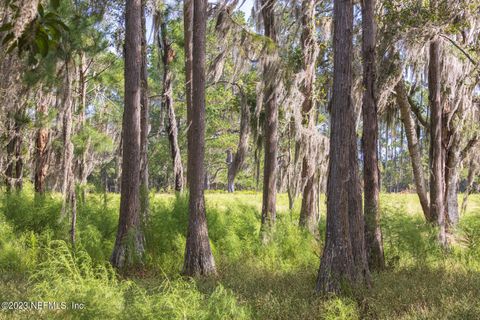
423	292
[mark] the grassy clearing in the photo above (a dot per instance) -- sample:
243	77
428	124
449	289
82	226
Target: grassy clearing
254	281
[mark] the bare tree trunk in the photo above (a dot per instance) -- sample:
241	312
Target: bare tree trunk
129	243
413	148
271	122
452	169
198	254
41	155
144	122
188	42
69	205
371	174
9	175
308	212
472	171
73	226
292	180
118	165
82	84
237	161
344	255
258	153
14	169
68	185
437	210
18	151
167	57
309	215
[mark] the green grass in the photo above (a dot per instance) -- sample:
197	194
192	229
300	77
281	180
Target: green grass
275	281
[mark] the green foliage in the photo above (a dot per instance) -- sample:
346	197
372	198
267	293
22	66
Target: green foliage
29	213
254	281
97	141
40	37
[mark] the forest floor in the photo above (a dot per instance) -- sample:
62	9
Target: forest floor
254	281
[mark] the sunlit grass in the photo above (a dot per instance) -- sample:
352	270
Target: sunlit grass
254	281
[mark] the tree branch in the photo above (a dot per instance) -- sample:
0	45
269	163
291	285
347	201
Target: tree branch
470	145
461	49
418	113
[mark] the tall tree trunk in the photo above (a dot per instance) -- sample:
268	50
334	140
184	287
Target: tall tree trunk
69	205
14	170
371	174
237	160
172	130
68	184
198	254
18	150
129	243
344	255
82	104
271	122
308	212
41	143
188	43
9	170
144	121
452	168
437	210
413	148
258	155
118	165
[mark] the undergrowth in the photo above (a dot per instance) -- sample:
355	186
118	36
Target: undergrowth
254	281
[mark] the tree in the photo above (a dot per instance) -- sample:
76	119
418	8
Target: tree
167	55
198	254
41	143
188	43
129	242
69	204
235	162
144	121
308	212
344	255
437	209
270	78
413	147
14	170
371	175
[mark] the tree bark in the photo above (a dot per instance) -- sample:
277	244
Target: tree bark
18	150
371	174
344	256
14	169
172	130
129	242
472	171
237	160
413	148
41	143
188	43
271	122
68	185
69	204
144	122
437	158
308	213
198	255
451	173
82	104
9	174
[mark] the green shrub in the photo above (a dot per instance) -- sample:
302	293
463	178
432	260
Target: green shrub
254	281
